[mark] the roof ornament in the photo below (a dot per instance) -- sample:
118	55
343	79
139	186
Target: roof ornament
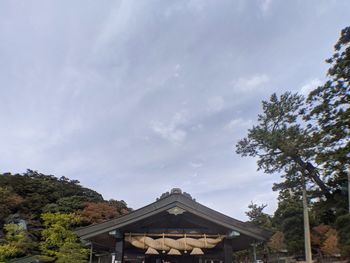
176	211
176	191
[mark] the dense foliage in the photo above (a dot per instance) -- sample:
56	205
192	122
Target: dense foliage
59	240
343	227
38	213
308	140
17	242
258	217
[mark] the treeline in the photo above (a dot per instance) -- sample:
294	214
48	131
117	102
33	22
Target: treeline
306	139
35	207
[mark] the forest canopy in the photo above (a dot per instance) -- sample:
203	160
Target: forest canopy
34	206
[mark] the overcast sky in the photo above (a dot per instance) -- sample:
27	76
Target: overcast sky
133	98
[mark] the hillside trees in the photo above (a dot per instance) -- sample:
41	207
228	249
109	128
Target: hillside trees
98	212
9	202
38	190
30	197
32	193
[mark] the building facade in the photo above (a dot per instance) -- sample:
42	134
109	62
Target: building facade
175	228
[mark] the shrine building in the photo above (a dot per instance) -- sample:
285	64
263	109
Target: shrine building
175	228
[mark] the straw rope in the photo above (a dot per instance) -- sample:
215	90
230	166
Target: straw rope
165	243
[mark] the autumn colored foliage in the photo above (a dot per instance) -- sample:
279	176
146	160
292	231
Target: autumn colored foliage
98	212
45	209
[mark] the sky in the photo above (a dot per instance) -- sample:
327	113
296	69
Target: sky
133	98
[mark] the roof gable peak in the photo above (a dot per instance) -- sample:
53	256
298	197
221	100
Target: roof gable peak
176	191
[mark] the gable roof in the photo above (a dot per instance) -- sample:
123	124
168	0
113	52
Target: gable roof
168	201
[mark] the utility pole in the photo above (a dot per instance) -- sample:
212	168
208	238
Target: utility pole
308	252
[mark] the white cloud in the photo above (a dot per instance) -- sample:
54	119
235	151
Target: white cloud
177	70
195	175
237	124
196	5
196	164
125	65
265	5
197	127
216	104
251	83
171	131
267	197
309	86
115	24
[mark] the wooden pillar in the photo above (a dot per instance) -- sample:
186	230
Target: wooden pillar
228	252
91	250
119	250
254	252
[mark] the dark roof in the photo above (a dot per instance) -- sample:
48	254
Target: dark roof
167	201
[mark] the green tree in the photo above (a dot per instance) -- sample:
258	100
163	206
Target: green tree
329	114
329	107
258	217
343	233
310	137
282	143
288	218
17	243
26	196
59	241
72	252
37	190
9	202
69	204
8	251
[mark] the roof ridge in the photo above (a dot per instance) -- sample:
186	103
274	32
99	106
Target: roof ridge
175	191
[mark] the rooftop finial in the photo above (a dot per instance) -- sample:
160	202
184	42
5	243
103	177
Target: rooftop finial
176	191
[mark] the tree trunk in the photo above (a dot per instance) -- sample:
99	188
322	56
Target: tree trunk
313	174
